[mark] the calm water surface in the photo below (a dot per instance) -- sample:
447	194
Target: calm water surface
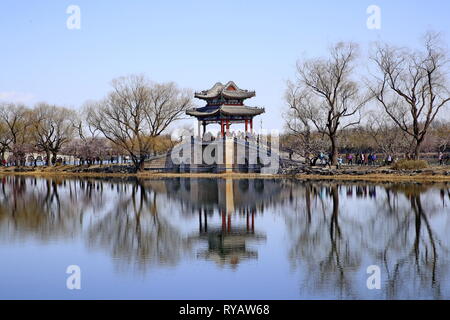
222	239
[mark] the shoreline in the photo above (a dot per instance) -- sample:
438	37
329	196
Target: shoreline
424	177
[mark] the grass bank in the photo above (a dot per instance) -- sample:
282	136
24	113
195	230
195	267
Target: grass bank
430	175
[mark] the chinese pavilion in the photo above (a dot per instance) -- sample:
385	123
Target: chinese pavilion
225	105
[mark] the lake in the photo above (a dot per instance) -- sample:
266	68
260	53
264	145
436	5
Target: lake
186	238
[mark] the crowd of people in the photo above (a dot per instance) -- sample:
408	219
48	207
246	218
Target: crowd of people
361	159
369	159
64	160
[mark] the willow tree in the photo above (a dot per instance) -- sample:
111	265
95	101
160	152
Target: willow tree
5	141
51	128
412	86
15	124
137	111
330	99
302	138
381	130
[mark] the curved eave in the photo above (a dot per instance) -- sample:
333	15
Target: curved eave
241	111
238	95
227	110
225	94
195	113
205	97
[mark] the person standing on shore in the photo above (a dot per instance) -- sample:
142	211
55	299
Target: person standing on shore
389	159
441	158
350	159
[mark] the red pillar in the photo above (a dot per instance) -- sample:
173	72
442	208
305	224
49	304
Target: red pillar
248	221
224	221
246	126
253	221
228	127
221	128
251	125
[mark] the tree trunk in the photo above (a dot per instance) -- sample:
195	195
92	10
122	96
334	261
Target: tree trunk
333	150
416	154
54	155
47	162
141	164
335	231
138	163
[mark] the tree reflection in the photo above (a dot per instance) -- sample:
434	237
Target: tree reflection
419	256
28	206
319	240
127	222
137	232
398	234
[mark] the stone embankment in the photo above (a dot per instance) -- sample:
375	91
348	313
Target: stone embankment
357	171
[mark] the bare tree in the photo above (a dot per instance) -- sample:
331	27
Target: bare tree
137	111
387	137
440	134
84	129
52	127
15	119
412	86
5	140
303	139
89	145
331	99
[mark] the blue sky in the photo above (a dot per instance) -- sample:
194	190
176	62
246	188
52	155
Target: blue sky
194	43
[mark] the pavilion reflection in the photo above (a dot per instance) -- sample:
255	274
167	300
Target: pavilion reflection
227	210
222	194
228	245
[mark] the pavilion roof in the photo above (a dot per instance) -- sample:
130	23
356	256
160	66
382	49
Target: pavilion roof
228	110
229	91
